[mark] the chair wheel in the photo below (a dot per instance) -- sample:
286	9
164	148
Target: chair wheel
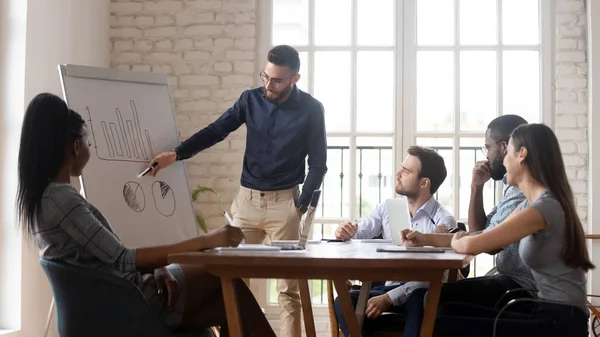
596	326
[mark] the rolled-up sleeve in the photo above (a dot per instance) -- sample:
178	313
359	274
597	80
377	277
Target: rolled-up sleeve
448	220
400	294
317	157
372	225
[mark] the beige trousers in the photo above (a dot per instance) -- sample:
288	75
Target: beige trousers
273	214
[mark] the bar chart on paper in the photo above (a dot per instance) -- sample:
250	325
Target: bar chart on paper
121	139
130	119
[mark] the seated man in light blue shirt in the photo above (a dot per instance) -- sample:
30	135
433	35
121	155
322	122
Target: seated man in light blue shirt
422	173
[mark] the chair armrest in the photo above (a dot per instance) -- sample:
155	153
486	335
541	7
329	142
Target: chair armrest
511	302
354	285
511	291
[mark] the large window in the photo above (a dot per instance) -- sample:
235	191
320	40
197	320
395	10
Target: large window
391	74
349	63
466	62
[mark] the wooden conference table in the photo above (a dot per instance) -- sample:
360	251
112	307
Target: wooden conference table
328	261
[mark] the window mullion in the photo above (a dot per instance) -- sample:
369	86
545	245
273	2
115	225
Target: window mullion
353	95
499	60
546	64
399	114
360	134
345	48
311	24
479	47
500	77
456	138
310	49
409	77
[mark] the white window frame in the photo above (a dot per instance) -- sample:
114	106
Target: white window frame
404	134
547	66
264	36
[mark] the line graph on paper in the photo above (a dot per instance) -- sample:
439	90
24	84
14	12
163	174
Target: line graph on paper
121	139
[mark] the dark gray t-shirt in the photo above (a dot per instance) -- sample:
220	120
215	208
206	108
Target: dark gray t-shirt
542	252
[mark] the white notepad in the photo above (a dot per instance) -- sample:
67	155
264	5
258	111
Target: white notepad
293	242
372	240
248	247
402	249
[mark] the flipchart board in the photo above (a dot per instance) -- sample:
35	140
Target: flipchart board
130	118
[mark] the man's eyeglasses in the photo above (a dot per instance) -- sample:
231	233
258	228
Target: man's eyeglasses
485	148
276	82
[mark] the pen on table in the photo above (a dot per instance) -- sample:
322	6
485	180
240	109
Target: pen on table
355	224
148	169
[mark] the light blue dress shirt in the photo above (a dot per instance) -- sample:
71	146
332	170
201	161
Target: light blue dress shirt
425	220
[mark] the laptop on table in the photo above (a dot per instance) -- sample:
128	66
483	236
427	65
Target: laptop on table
306	226
286	245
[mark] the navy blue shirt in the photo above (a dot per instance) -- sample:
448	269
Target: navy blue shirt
278	140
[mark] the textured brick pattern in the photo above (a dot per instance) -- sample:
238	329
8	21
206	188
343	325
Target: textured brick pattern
571	95
207	49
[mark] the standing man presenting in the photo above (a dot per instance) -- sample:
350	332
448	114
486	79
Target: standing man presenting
284	127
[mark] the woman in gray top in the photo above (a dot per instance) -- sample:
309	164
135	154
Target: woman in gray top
66	227
552	244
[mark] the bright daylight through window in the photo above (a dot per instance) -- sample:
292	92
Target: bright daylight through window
433	73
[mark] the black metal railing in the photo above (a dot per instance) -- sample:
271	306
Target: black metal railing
319	295
380	151
344	151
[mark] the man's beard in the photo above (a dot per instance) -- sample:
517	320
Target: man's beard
497	170
408	194
279	96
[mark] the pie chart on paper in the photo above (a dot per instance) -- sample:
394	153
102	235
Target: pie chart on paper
134	196
164	198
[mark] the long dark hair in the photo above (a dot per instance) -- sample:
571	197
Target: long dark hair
545	162
49	128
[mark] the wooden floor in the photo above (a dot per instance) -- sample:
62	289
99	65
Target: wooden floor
321	325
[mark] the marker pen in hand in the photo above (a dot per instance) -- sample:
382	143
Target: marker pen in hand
355	223
230	222
148	169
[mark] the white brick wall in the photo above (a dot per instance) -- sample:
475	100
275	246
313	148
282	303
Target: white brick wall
207	48
571	95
